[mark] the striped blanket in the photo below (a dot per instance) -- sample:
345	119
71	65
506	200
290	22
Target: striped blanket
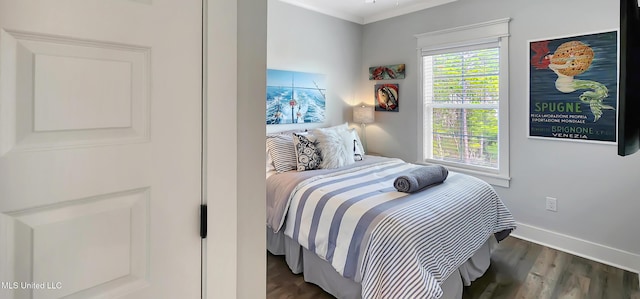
397	245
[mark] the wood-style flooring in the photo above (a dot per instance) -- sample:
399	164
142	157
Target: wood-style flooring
519	269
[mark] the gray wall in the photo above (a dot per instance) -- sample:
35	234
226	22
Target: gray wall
597	191
307	41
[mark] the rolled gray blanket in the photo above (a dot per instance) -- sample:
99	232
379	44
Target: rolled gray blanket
416	179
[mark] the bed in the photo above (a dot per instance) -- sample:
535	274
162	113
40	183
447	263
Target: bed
348	230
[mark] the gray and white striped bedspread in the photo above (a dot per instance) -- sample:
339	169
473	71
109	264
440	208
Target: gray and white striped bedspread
397	245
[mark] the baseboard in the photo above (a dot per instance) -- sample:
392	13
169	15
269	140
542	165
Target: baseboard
600	253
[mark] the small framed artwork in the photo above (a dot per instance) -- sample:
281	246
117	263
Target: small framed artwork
387	97
386	72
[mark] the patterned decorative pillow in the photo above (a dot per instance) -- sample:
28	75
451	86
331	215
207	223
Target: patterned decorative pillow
282	152
307	155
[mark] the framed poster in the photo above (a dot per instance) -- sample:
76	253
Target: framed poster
295	97
573	88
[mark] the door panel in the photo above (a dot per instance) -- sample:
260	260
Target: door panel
72	93
107	233
100	141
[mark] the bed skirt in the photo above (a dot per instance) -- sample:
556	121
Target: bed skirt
321	273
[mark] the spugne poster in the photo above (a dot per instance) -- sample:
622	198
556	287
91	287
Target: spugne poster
573	87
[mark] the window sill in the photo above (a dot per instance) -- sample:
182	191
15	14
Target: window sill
491	178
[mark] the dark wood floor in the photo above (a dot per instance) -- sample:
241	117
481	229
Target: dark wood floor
519	269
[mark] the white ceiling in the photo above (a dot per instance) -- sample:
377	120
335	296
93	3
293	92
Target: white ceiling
366	11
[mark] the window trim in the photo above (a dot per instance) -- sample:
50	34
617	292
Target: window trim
447	40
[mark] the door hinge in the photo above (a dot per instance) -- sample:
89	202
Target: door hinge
203	221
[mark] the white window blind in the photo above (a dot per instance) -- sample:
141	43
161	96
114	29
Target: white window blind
461	92
465	108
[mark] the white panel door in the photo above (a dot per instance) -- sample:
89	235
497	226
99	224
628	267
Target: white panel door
100	141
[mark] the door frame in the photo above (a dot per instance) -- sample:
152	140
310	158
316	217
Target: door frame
234	86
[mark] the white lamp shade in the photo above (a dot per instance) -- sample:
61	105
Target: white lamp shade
363	114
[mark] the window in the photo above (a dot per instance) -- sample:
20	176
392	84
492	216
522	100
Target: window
465	99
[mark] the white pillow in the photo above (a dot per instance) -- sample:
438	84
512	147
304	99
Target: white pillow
306	134
358	149
335	145
344	126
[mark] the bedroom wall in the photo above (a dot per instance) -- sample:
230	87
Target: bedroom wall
597	190
306	41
